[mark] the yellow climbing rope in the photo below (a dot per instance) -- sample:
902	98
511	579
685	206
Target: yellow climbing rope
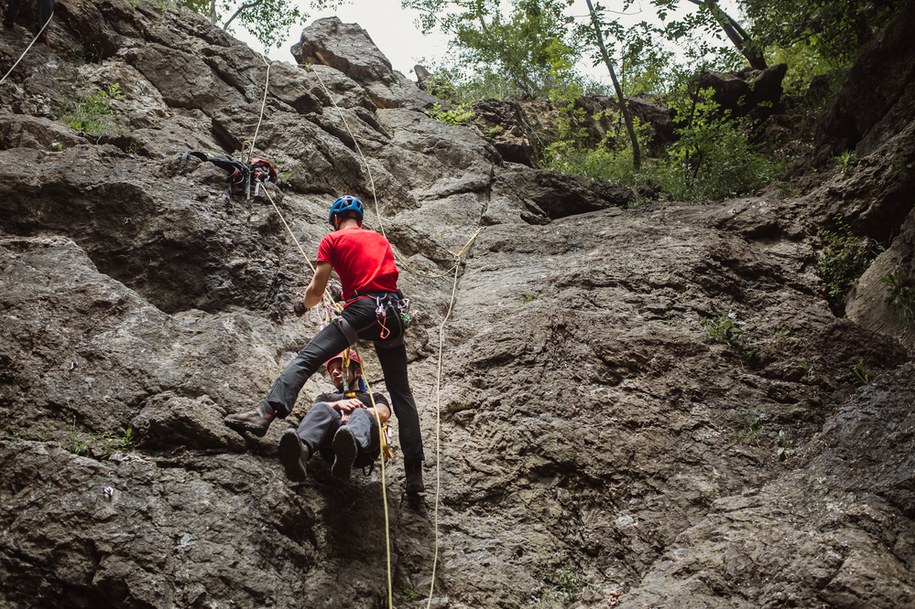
384	488
329	302
381	428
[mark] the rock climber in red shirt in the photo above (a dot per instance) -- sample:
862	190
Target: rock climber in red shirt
364	261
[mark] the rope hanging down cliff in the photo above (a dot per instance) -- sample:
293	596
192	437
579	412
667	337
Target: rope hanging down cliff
456	269
28	48
328	299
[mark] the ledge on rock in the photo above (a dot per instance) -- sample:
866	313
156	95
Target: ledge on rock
169	421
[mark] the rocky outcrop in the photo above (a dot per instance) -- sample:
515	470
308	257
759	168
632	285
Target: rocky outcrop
349	49
874	101
750	92
638	406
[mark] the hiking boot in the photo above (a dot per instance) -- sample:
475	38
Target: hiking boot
414	480
344	453
293	455
254	421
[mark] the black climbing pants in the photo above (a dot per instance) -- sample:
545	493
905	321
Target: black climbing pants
321	422
357	321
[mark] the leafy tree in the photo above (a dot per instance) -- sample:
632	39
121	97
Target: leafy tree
532	45
267	20
713	156
624	107
835	30
708	21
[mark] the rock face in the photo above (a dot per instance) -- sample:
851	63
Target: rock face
639	407
874	101
753	92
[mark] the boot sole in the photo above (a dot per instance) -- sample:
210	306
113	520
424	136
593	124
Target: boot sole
344	454
290	453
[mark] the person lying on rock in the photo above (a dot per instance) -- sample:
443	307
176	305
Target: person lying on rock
364	261
342	426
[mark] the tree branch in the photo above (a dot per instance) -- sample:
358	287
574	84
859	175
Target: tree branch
225	26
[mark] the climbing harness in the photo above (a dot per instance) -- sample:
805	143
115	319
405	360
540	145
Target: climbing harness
254	172
28	48
401	308
395	305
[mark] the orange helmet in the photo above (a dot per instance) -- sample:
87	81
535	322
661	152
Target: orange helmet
353	357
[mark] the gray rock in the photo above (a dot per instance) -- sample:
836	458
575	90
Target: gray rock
637	406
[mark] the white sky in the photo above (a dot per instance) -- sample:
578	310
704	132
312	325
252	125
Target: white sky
396	31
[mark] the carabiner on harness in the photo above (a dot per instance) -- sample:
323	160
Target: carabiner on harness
381	312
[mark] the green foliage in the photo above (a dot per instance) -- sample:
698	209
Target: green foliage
410	594
530	46
457	85
92	112
712	157
567	589
808	374
645	67
862	375
461	114
201	7
834	31
845	161
804	63
725	328
267	20
529	297
98	446
900	293
844	259
751	430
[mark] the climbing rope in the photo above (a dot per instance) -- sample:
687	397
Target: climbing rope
356	143
384	489
37	36
438	410
263	106
456	267
339	308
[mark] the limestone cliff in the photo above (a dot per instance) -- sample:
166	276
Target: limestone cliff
649	406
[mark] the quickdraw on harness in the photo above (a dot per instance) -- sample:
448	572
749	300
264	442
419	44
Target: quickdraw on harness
256	171
396	304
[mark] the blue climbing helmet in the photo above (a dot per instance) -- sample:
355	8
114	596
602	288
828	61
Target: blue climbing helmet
344	204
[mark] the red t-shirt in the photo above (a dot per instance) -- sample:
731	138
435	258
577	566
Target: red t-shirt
362	258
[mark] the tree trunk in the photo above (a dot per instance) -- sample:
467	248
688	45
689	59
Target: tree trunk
736	34
624	107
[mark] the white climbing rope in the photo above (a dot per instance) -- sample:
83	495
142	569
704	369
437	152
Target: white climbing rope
37	36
